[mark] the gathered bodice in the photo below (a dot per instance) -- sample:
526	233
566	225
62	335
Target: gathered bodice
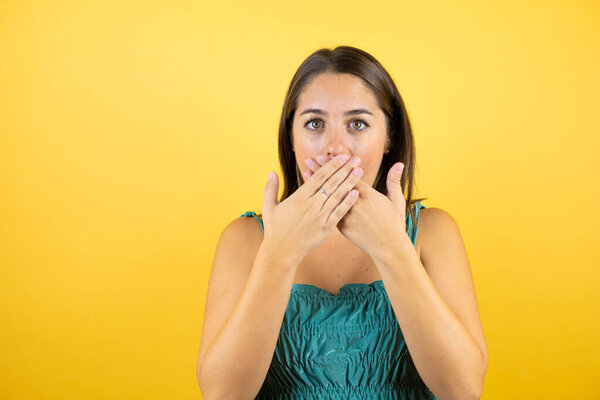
344	346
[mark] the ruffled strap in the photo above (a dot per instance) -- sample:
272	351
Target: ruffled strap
253	214
410	229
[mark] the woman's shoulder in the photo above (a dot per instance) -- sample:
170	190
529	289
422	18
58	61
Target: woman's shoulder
431	217
248	226
435	224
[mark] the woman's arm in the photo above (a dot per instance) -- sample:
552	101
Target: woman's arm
238	344
436	308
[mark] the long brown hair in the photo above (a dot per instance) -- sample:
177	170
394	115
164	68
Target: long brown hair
347	59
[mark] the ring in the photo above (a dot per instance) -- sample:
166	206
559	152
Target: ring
323	191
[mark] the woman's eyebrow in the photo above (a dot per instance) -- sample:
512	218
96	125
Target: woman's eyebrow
351	112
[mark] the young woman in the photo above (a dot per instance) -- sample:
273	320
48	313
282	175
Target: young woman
332	294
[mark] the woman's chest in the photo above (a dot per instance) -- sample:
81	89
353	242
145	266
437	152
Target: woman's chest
330	271
337	262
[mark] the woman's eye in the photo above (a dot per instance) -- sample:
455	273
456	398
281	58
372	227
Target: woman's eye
358	121
319	122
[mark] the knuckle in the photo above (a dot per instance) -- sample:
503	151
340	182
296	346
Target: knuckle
336	180
320	174
324	229
338	196
313	208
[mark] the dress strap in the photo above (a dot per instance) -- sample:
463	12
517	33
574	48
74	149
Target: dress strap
253	214
410	229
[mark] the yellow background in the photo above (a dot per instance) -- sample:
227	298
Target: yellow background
131	133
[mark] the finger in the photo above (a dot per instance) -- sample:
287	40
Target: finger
323	174
335	216
270	195
321	159
312	165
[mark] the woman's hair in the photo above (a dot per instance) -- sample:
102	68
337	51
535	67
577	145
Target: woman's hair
346	59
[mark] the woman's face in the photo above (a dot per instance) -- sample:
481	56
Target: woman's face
323	125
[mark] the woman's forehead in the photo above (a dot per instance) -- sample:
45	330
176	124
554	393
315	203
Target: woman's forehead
336	93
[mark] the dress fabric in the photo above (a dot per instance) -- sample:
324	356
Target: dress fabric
344	346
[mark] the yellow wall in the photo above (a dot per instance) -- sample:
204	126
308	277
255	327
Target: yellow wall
132	133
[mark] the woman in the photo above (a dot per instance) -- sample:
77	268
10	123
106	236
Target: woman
340	298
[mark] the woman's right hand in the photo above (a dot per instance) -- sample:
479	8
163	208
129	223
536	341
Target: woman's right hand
300	223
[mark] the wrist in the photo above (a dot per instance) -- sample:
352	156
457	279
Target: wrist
277	256
401	248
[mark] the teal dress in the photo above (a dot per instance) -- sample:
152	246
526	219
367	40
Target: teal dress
344	346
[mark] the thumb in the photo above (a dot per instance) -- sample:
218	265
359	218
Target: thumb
394	186
271	190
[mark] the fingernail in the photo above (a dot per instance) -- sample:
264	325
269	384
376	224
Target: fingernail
344	157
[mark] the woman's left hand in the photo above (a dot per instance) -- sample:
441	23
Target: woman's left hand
376	221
